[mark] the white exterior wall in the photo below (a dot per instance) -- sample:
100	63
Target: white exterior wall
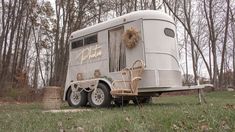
161	53
88	66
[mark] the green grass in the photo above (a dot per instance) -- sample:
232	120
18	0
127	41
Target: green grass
167	113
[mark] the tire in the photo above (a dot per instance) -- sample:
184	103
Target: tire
144	100
119	102
100	97
76	100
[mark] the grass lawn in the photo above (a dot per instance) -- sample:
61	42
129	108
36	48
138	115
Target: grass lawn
166	113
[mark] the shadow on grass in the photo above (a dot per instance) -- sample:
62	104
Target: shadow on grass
176	104
113	106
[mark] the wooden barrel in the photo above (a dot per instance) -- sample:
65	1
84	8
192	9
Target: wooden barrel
51	98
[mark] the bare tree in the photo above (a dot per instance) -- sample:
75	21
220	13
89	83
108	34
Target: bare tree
187	27
224	44
232	25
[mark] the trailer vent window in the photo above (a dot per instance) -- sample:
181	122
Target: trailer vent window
169	32
91	39
77	44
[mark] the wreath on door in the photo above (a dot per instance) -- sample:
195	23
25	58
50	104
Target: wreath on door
131	37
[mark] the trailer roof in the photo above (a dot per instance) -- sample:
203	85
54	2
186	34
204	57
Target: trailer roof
143	14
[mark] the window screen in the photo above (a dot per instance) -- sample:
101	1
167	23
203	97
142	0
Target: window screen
90	40
169	32
76	44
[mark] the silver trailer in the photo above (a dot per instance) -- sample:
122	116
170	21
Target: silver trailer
100	55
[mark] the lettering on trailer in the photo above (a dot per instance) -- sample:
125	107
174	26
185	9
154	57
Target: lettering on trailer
89	53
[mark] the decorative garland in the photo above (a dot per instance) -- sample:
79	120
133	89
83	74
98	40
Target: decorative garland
131	37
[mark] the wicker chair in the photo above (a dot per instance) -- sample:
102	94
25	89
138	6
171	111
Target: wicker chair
128	87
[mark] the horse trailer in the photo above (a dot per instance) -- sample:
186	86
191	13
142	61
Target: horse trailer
134	56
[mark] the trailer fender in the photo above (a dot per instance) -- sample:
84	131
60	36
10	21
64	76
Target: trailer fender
106	82
66	93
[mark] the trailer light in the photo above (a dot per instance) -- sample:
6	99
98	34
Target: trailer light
79	76
97	73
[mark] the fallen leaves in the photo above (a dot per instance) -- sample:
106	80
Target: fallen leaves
60	126
179	126
175	127
225	125
128	119
205	128
125	130
229	106
80	129
74	128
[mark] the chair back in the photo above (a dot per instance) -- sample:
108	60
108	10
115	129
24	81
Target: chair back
136	73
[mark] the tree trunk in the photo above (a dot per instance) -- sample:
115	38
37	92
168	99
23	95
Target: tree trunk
232	24
224	46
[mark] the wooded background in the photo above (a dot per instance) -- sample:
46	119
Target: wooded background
34	37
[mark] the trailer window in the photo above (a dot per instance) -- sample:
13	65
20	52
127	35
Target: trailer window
169	32
90	40
76	44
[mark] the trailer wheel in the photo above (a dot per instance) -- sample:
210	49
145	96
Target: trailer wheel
119	102
100	97
76	99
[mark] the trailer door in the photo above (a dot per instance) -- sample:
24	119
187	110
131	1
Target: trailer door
117	52
137	53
